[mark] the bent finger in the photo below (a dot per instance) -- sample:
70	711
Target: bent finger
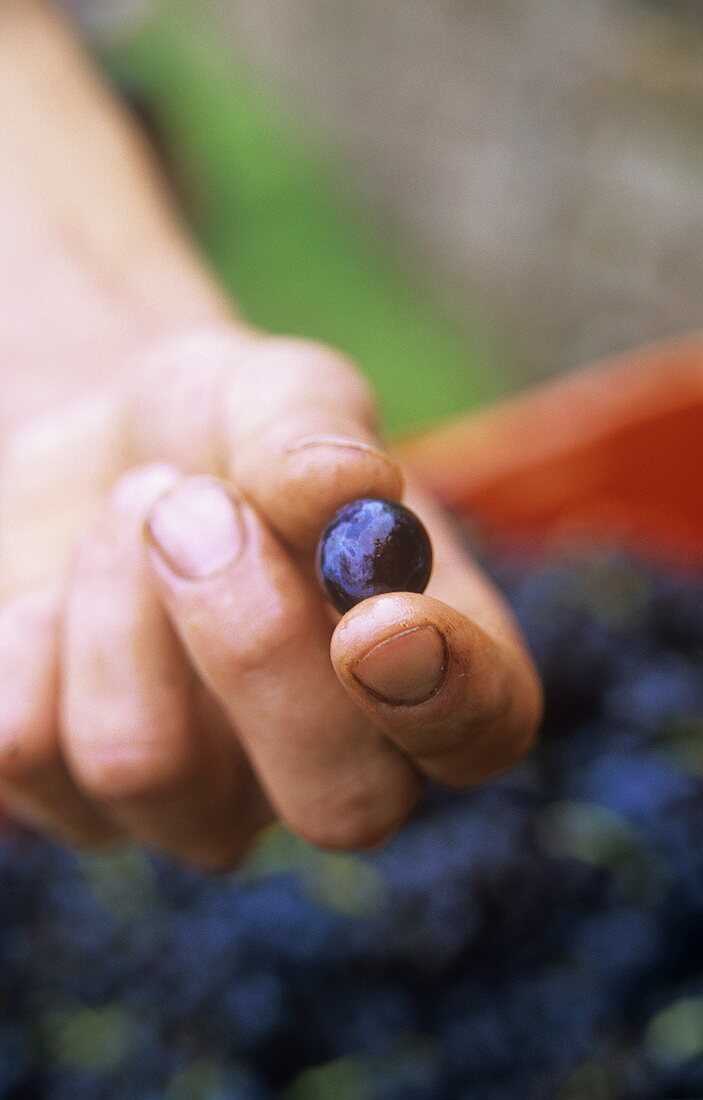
35	782
258	633
131	731
291	422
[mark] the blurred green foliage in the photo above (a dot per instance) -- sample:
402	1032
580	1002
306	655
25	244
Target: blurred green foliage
85	1037
343	882
282	228
344	1079
676	1032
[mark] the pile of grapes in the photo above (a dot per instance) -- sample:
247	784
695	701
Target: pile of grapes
539	939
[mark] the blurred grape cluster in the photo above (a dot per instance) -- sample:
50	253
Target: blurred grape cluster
540	938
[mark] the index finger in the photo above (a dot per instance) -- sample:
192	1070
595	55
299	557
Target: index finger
257	633
292	423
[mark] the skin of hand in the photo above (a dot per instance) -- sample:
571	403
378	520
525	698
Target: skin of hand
169	670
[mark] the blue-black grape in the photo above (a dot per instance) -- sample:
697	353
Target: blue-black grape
370	547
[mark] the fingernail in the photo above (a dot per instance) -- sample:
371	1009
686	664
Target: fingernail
406	668
336	442
196	529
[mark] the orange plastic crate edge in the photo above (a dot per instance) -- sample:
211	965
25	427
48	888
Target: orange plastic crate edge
612	451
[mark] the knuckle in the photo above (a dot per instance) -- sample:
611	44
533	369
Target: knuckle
186	356
130	767
169	404
264	646
114	777
260	645
319	369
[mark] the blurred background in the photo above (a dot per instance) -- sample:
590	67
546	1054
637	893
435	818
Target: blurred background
467	195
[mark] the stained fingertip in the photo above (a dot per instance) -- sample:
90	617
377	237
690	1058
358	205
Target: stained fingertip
394	648
405	669
463	707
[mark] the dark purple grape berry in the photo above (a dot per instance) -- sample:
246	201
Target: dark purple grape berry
369	547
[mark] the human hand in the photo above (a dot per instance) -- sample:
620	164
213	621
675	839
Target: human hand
134	701
184	691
